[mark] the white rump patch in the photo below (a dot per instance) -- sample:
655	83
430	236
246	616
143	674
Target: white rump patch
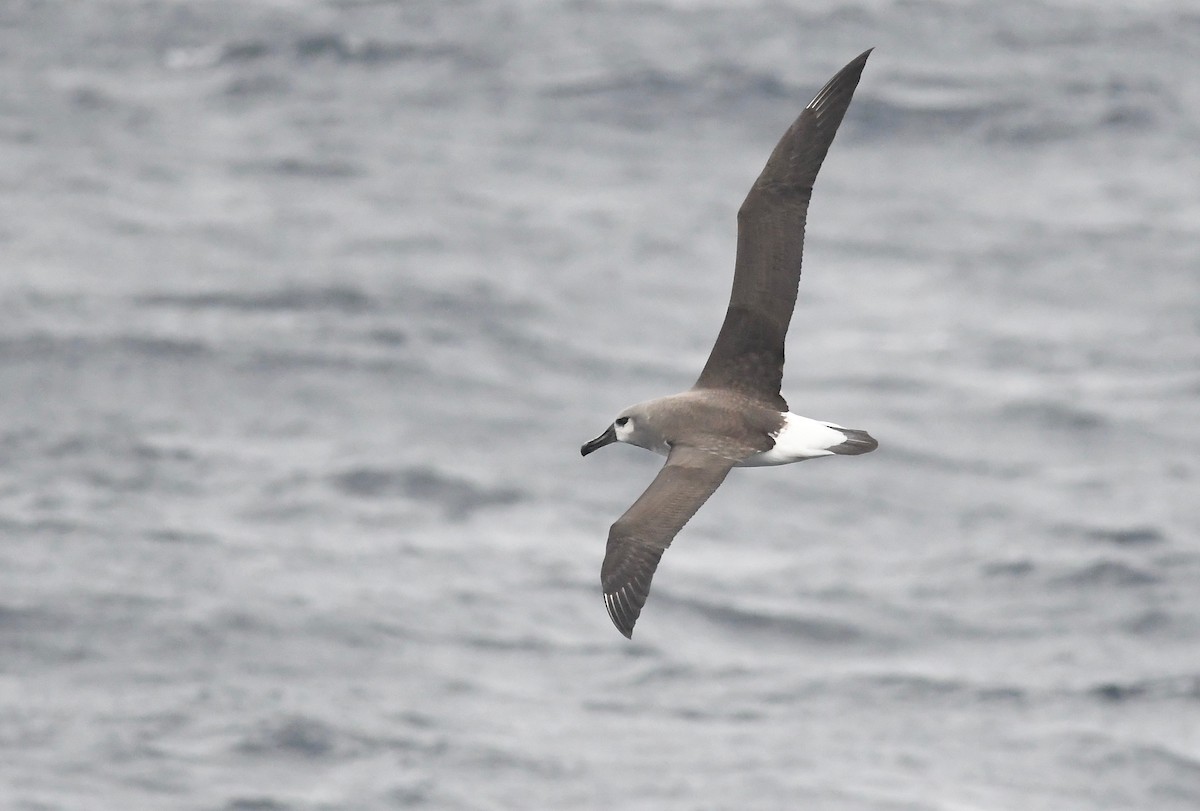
800	438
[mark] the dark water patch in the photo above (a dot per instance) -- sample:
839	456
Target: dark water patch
717	712
245	51
209	56
181	537
1035	124
1117	693
257	85
111	458
1008	568
1130	536
909	687
46	527
330	46
18	440
817	630
494	642
723	89
117	466
636	99
642	96
914	687
333	360
256	804
1108	573
902	687
43	636
163	348
388	336
1120	103
641	85
890	118
82	444
161	453
1002	694
488	758
1133	536
736	83
1174	771
293	736
455	496
1174	688
298	167
235	622
370	51
968	464
417	719
93	99
1074	108
878	383
664	674
612	706
1151	622
75	349
398	246
478	302
418	795
334	298
1052	415
20	620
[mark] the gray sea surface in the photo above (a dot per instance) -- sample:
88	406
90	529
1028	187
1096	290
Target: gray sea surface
306	307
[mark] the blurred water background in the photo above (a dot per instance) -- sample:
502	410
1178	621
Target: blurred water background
306	307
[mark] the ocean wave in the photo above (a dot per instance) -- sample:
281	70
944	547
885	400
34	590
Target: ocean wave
1120	536
456	497
337	298
296	735
42	347
918	686
332	45
1112	573
1183	687
1050	414
883	117
256	804
1160	763
302	167
813	629
904	687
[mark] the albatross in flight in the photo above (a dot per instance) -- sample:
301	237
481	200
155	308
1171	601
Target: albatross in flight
734	415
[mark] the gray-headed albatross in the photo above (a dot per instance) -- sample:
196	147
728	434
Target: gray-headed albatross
734	415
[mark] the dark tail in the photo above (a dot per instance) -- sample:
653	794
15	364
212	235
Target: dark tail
856	442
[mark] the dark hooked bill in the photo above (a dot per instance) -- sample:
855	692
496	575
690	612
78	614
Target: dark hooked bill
607	438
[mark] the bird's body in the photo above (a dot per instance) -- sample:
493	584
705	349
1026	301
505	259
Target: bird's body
734	415
742	430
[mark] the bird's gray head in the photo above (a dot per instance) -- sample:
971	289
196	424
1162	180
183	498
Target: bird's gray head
632	426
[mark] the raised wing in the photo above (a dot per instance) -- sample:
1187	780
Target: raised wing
748	354
638	538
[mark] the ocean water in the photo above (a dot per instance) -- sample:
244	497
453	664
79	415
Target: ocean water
306	307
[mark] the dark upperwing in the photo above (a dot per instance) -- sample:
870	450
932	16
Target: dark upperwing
638	539
748	354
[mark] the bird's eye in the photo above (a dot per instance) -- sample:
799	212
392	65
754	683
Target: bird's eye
621	421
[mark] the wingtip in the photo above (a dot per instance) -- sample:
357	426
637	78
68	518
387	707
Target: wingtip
834	97
862	57
860	61
623	614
